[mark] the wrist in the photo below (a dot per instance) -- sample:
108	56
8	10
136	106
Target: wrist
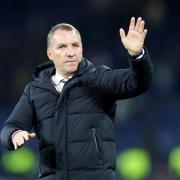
135	53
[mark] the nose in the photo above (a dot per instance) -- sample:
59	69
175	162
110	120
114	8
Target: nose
70	52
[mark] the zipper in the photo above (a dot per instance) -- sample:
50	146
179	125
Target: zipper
97	145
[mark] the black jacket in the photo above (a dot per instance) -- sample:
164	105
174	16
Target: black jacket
75	129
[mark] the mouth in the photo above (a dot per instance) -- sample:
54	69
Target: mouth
71	61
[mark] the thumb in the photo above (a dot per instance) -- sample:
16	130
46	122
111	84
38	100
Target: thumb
32	135
122	33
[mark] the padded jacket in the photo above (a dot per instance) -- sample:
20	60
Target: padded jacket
75	128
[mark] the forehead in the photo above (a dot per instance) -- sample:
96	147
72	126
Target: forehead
64	36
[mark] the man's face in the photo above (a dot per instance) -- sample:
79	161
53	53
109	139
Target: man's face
65	51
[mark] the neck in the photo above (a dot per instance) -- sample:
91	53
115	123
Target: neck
66	76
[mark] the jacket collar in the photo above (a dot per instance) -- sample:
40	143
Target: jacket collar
44	69
47	69
42	73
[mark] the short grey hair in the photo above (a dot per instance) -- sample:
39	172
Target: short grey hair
61	26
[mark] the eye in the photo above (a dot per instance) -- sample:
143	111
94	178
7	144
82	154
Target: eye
76	45
61	46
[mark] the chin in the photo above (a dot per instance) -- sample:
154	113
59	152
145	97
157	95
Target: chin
72	70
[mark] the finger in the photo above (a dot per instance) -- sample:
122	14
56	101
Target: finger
144	34
122	33
138	23
26	137
15	145
20	144
20	141
32	135
132	23
141	27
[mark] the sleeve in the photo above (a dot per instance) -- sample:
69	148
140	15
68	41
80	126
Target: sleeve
21	118
124	83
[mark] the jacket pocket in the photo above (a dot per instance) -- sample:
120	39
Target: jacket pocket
97	145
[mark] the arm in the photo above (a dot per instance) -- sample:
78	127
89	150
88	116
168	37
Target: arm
125	83
20	119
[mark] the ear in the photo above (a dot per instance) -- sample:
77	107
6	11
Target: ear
49	54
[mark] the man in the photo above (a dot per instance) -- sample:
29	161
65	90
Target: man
70	102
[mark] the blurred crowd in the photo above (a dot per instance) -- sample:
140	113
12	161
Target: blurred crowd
150	121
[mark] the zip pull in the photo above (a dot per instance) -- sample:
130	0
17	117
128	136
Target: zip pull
97	145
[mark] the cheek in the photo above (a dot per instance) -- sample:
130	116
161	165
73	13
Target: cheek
58	57
80	53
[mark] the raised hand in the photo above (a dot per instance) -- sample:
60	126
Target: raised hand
20	137
134	40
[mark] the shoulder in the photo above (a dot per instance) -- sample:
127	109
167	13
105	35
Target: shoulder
28	88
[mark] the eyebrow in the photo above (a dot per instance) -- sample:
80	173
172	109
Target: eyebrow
60	44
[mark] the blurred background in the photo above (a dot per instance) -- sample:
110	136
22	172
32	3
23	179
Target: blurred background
148	135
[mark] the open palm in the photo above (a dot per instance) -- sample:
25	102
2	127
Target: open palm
134	40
